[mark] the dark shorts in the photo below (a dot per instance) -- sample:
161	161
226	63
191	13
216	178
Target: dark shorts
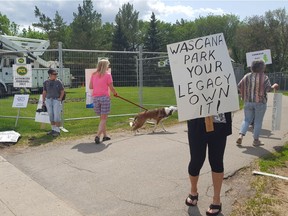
102	105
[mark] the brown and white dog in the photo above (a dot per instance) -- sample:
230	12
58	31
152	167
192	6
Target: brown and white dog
158	115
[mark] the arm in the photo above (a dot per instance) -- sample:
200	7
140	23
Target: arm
275	86
112	89
91	83
44	93
61	95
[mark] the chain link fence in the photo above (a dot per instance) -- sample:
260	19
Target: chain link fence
142	77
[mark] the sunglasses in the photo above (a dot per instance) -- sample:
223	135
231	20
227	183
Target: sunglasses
54	74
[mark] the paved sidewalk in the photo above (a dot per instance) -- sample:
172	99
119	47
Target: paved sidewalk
139	175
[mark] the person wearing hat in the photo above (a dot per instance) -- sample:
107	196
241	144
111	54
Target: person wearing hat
53	93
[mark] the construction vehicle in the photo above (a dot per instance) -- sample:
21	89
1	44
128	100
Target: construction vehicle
28	50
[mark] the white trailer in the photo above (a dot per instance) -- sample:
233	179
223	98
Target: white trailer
12	48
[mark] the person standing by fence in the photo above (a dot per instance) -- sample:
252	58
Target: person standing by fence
52	95
253	89
101	82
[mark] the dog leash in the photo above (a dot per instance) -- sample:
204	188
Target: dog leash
131	102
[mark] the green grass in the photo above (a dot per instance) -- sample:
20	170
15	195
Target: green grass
277	159
263	201
75	107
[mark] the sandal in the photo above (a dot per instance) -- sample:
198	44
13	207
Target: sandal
239	141
97	140
214	207
193	199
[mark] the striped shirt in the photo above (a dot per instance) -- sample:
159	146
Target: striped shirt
254	87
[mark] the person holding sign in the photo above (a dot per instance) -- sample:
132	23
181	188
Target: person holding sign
101	81
53	93
253	89
200	138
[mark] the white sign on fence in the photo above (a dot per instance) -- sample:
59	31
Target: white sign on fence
20	101
203	77
264	55
22	76
276	111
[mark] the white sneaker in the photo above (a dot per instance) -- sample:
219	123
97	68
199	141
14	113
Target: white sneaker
257	143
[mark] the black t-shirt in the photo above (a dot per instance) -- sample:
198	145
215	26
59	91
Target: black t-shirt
53	88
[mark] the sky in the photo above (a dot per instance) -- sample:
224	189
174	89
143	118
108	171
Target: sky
22	11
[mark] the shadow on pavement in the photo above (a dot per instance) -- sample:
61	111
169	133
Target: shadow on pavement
256	151
160	133
89	148
194	211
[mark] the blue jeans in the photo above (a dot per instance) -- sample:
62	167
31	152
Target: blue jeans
253	112
54	108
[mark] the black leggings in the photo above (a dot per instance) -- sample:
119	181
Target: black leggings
198	142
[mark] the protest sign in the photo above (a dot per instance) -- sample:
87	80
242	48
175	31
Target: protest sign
203	77
276	111
20	101
264	55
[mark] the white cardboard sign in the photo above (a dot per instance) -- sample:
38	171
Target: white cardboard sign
276	111
264	55
203	77
20	101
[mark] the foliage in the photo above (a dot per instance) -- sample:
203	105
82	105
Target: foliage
152	41
268	31
29	33
119	40
55	29
7	27
127	20
85	27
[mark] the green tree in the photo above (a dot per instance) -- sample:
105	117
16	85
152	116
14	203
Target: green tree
106	36
85	27
7	27
56	29
32	33
152	39
125	38
127	19
269	31
119	40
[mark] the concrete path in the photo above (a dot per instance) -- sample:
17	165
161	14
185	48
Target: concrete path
139	175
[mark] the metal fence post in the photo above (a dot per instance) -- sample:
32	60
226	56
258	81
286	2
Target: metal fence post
60	53
141	75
